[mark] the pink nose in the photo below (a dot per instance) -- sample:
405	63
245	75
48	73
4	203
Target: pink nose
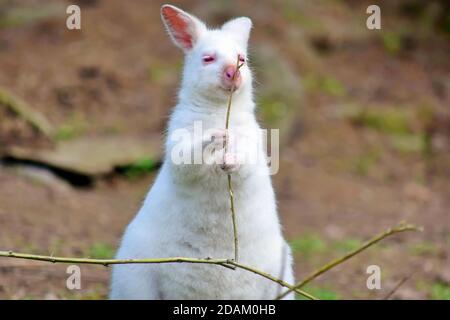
231	76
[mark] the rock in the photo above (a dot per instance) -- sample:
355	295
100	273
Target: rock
42	176
90	156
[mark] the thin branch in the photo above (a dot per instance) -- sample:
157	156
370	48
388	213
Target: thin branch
19	107
106	262
399	284
233	218
230	186
400	228
274	279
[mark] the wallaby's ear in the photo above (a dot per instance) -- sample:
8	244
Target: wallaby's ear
239	28
183	28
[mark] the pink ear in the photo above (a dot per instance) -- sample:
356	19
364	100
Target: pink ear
181	26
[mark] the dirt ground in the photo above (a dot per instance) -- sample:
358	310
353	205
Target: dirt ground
369	145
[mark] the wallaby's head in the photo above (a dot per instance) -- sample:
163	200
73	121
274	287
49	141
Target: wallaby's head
210	69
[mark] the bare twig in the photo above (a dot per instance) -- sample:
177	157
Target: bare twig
107	262
230	186
399	284
19	107
400	228
231	264
274	279
233	217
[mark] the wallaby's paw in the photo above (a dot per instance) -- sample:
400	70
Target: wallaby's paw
219	137
230	163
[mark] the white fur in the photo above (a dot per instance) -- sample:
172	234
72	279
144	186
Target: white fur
187	213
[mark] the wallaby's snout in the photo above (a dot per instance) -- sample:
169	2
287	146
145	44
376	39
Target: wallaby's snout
231	77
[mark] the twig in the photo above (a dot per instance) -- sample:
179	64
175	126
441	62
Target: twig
230	186
233	218
31	269
106	262
19	107
274	279
400	228
399	284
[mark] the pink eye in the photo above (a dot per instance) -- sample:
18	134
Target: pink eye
208	58
241	58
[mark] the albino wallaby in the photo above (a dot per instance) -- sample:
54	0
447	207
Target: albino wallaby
187	211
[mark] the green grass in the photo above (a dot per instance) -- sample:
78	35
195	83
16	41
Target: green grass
292	14
308	244
157	73
140	168
440	291
74	127
56	247
392	42
24	15
347	245
66	132
362	164
391	121
424	248
101	251
395	123
162	72
319	292
332	86
273	110
31	248
325	84
94	292
409	143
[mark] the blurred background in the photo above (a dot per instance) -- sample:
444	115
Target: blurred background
364	118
